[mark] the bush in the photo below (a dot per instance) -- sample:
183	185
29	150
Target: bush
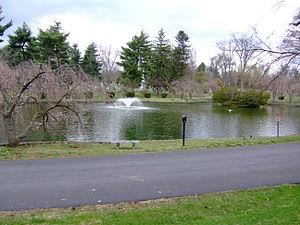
111	94
130	94
233	97
89	94
280	97
147	95
164	95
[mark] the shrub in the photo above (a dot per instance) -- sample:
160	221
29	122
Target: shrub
147	95
89	94
233	97
111	94
280	97
130	94
164	95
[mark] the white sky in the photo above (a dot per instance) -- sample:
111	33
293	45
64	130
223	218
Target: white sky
115	22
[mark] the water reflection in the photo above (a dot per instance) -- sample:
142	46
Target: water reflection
101	122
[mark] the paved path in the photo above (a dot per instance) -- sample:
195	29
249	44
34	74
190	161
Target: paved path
32	184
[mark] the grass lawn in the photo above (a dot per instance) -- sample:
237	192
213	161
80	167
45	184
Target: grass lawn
60	150
272	205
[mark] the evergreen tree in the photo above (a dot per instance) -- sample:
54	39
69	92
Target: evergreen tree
161	62
53	46
21	44
181	54
135	60
4	27
90	63
75	56
200	73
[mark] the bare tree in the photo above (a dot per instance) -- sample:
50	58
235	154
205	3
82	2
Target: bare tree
110	69
291	82
187	86
244	47
224	62
28	85
288	52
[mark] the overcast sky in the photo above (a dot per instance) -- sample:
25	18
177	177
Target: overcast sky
115	22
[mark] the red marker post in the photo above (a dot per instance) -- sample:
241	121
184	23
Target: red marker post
278	118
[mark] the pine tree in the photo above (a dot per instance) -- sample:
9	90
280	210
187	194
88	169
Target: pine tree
135	60
75	56
21	44
161	62
200	73
90	63
4	27
53	46
181	54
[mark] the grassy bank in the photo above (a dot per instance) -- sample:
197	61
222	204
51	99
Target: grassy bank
170	98
273	205
60	150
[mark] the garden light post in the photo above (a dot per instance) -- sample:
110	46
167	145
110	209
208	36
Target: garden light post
183	119
278	117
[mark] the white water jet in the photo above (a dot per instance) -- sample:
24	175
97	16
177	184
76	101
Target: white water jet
128	102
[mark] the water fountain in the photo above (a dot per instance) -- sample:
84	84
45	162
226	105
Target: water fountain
128	102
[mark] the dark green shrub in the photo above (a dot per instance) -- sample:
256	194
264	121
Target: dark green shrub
43	96
281	97
147	95
233	97
89	94
111	94
164	95
130	94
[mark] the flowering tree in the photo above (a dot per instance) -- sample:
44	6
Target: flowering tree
28	85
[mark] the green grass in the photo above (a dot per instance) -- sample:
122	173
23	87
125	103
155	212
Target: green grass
285	101
268	206
62	150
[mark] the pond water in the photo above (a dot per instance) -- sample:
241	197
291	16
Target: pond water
102	122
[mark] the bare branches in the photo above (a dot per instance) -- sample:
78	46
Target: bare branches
19	95
42	90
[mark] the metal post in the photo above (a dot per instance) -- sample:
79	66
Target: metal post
183	129
278	117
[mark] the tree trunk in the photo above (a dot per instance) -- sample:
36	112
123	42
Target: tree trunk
273	97
10	131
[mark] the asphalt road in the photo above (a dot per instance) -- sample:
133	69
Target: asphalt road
30	184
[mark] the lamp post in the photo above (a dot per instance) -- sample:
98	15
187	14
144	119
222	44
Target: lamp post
278	118
183	119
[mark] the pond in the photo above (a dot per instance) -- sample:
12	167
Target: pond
102	122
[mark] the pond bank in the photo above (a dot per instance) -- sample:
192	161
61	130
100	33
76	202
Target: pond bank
73	149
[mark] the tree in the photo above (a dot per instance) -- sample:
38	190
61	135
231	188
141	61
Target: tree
289	49
75	57
26	85
291	81
276	86
180	56
21	44
201	73
161	63
110	70
244	47
53	46
4	27
135	60
288	52
90	63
